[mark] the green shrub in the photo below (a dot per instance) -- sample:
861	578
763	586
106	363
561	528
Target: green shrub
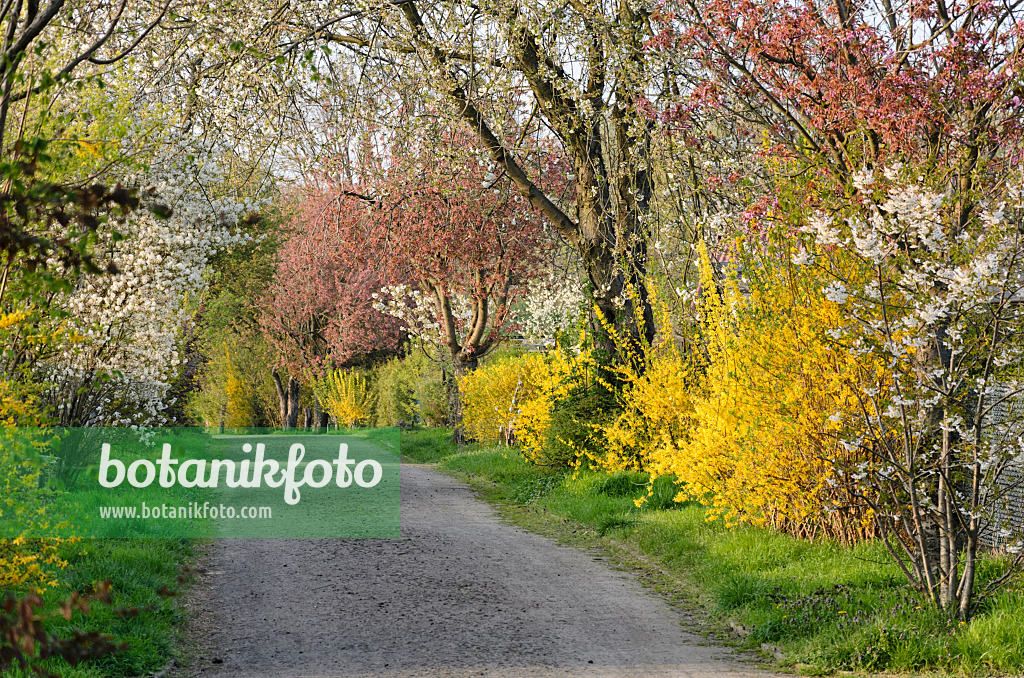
571	439
394	384
409	389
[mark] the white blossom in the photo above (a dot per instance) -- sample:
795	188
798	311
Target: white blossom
131	321
836	292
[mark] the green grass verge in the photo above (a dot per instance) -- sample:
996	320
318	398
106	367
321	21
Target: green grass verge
823	607
137	570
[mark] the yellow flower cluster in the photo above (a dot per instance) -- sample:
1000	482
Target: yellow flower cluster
493	395
560	372
654	394
24	562
750	426
656	410
240	410
346	397
513	399
30	563
13	319
19	399
762	440
14	407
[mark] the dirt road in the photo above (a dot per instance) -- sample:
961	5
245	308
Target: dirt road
460	594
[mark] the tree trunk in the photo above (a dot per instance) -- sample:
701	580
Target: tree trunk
609	232
282	399
463	365
319	416
287	400
293	402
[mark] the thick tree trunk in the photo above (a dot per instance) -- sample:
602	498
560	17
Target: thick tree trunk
287	400
613	189
620	294
319	416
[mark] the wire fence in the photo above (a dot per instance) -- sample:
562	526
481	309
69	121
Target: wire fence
1006	424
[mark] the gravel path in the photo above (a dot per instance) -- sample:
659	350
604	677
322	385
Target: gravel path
460	594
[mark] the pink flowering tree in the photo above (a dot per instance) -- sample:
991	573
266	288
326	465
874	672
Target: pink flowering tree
855	85
319	312
449	241
468	242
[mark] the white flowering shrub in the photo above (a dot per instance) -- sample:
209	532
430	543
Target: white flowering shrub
935	294
552	307
129	323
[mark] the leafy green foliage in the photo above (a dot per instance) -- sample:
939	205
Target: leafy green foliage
230	362
409	389
572	437
43	221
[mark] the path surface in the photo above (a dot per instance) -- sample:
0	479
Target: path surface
460	594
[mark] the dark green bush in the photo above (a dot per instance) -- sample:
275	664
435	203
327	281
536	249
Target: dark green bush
571	439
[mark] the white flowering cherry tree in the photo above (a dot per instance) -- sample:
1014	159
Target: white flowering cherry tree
129	323
939	303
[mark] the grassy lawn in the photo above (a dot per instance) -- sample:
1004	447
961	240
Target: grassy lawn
137	569
822	607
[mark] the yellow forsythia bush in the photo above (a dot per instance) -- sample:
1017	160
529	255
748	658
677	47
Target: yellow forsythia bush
559	373
518	395
30	563
493	394
654	397
762	422
25	563
346	396
656	409
240	410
